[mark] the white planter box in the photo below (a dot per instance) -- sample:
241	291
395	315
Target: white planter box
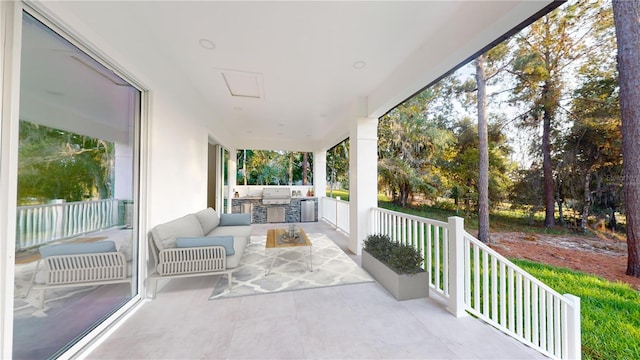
402	287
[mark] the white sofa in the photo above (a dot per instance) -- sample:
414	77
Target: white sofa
202	243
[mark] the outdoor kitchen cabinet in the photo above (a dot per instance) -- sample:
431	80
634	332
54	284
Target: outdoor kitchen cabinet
292	210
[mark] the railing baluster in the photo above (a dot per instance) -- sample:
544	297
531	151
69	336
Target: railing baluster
535	320
543	320
436	255
476	278
527	309
503	295
556	327
467	271
493	288
510	301
445	260
485	283
550	322
429	252
518	315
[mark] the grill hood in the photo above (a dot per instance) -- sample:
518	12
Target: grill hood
276	196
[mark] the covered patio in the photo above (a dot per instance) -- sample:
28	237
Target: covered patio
361	321
291	76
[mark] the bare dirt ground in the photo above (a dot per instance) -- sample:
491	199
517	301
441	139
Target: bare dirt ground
603	256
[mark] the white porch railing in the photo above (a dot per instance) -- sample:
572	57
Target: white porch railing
40	224
474	278
336	212
427	235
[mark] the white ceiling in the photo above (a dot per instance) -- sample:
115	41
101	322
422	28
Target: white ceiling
295	60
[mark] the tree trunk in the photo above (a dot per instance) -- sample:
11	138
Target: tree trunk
244	167
549	198
305	167
561	211
483	150
613	224
626	15
291	168
587	201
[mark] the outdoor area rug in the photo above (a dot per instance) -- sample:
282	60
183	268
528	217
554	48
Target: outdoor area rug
331	267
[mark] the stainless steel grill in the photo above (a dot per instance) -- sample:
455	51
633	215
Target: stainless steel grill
276	196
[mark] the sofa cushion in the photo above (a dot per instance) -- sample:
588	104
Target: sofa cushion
208	219
235	231
234	219
226	241
77	248
164	235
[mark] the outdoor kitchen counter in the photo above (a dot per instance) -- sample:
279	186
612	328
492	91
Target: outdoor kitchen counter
258	210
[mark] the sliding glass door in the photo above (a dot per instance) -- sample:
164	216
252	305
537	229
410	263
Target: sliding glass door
77	185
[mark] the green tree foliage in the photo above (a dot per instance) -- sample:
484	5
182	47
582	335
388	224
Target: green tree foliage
263	167
593	147
462	168
57	164
525	190
589	169
338	166
545	52
627	25
409	144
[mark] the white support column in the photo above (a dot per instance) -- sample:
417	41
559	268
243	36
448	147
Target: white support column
456	267
232	171
574	340
363	179
320	177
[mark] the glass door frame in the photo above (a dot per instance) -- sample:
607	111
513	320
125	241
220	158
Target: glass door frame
11	16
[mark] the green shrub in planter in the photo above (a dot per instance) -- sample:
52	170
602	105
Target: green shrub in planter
379	246
403	259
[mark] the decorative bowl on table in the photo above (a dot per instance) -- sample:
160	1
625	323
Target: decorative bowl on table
288	237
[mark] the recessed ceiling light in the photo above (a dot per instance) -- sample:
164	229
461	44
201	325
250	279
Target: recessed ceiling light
359	65
207	44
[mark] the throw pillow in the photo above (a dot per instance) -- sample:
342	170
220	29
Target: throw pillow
77	248
235	219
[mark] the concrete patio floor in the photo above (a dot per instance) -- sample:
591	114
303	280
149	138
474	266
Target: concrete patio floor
360	321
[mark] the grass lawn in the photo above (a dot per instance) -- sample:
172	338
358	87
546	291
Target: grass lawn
344	194
610	311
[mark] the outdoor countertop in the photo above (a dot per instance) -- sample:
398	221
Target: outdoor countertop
260	197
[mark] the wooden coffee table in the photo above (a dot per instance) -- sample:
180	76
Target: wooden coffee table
275	242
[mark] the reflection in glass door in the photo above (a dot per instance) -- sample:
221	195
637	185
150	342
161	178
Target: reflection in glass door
77	168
